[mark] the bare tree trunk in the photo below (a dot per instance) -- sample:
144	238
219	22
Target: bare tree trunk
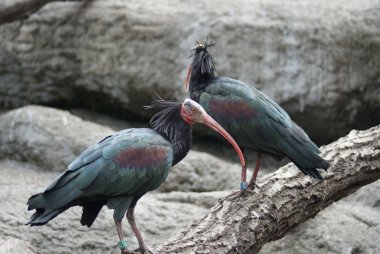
283	200
20	9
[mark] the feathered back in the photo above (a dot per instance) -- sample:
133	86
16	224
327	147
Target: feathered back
203	65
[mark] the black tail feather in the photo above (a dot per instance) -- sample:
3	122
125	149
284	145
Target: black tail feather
305	155
308	162
43	216
90	212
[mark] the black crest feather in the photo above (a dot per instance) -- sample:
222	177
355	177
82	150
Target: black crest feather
165	119
203	65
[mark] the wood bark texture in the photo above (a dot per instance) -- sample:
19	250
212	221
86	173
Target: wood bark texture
20	9
283	200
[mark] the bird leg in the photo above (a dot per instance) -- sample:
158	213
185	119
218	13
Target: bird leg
122	243
252	182
132	222
234	195
243	185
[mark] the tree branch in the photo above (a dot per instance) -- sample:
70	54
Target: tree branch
283	200
24	8
20	10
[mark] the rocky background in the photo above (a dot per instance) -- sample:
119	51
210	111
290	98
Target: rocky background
98	62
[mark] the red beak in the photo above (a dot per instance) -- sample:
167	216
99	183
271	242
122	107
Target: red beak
209	121
192	113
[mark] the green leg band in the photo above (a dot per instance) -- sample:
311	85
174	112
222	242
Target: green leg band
122	244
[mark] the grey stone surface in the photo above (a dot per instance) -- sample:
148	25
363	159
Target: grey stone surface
202	172
47	137
11	245
319	59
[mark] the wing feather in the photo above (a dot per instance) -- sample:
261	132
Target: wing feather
103	176
257	122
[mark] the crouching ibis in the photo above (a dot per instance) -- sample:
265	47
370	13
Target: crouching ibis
253	119
121	168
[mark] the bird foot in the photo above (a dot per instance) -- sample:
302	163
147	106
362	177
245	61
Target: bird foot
125	251
234	195
252	186
145	251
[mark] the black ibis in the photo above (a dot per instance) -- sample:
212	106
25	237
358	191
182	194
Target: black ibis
253	119
122	167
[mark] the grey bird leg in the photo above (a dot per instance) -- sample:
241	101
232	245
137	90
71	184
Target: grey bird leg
237	194
132	222
252	182
119	229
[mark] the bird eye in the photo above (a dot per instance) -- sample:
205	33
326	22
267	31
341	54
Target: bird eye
194	109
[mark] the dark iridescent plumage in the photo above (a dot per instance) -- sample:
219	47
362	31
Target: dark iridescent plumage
253	119
118	170
100	175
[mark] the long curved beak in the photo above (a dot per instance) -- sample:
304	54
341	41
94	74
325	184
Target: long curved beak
210	122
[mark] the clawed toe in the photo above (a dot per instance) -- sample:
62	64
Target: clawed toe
234	195
252	186
151	251
146	251
125	251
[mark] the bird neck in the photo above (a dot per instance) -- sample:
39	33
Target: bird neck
179	135
170	124
202	70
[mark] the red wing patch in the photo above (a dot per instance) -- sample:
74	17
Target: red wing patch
141	157
232	109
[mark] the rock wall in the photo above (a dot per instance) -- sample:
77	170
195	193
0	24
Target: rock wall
11	245
318	59
48	137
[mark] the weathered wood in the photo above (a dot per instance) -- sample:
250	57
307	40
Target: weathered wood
283	200
20	9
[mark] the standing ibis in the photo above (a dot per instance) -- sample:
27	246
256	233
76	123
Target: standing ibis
122	167
252	118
